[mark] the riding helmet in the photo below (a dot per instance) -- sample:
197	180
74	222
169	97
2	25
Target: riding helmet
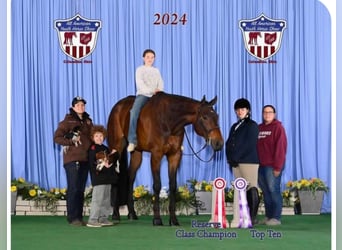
242	103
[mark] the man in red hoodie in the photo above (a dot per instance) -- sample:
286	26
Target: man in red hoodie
271	146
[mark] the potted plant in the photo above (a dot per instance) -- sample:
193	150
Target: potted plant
310	194
203	194
142	200
185	199
19	188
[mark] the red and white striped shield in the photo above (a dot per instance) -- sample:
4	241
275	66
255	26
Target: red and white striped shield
77	35
262	36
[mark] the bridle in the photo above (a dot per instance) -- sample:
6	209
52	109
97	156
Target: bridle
207	139
197	153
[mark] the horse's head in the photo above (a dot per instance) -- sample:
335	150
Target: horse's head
206	124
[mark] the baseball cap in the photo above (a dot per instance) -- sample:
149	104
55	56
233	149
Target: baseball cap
78	99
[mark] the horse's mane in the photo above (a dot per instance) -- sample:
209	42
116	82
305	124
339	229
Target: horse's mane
177	98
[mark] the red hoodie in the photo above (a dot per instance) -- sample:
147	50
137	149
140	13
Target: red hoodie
272	144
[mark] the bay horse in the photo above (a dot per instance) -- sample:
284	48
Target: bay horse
160	131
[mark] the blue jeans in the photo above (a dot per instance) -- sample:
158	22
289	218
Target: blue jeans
270	186
138	104
77	174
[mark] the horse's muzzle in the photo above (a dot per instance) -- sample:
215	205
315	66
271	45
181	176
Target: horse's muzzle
215	139
216	144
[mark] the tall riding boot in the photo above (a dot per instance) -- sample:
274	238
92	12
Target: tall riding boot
253	203
236	210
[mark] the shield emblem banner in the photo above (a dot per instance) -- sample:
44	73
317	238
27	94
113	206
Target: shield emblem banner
77	36
262	36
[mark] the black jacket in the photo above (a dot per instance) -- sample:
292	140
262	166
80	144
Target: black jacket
241	145
106	175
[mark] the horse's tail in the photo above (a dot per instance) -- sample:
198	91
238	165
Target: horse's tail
116	140
117	129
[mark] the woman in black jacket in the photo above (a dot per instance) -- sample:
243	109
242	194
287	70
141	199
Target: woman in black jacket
242	157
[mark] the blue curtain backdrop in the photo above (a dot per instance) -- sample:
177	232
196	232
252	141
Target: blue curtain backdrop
205	56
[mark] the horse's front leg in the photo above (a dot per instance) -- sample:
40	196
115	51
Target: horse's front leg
173	161
135	162
155	165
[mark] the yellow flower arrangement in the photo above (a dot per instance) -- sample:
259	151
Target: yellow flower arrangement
143	199
140	192
289	198
229	194
200	185
41	197
22	187
286	194
33	193
185	199
312	184
184	192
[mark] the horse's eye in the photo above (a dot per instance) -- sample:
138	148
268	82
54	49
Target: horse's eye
205	117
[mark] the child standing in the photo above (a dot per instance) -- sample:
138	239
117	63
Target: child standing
103	175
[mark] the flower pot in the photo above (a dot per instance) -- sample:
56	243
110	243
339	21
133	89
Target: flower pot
310	203
13	202
204	200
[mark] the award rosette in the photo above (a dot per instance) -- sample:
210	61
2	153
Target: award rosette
218	214
240	185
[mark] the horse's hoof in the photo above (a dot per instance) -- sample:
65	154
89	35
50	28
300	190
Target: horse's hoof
157	222
173	222
132	216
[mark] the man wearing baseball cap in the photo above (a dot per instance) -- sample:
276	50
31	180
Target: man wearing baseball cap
73	134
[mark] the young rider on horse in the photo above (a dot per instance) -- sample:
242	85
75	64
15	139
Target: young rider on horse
148	82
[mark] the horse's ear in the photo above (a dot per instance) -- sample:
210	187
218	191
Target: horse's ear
203	99
213	101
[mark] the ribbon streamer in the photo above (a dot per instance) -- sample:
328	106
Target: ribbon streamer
240	185
219	211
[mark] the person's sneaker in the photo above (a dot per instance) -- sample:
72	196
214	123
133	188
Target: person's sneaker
130	147
106	223
263	221
94	224
273	222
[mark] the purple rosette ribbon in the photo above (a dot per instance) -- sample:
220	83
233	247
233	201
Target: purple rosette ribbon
240	184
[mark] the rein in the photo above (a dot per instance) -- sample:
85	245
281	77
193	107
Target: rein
196	153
